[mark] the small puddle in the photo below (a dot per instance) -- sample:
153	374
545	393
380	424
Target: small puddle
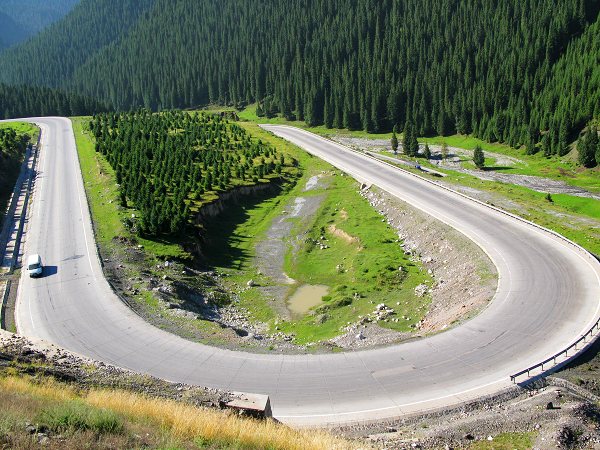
306	297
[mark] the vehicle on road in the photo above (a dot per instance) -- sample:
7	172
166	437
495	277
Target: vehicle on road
34	265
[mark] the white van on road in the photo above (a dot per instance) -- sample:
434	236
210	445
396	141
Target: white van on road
34	265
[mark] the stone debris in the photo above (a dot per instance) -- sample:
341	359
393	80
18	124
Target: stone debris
421	290
516	410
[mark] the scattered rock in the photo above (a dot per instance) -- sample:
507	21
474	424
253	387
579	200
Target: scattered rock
421	290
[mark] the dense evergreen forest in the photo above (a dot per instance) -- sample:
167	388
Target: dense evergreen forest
20	19
169	164
522	72
28	101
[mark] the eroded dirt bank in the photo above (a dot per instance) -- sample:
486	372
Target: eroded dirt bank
465	278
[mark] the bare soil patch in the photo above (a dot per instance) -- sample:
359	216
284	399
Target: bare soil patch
335	231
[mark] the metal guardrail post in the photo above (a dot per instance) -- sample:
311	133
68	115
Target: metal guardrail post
564	353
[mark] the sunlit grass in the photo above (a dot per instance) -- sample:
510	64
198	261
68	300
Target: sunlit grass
112	411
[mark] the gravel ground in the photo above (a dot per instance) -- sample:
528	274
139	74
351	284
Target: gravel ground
465	278
270	252
557	418
457	155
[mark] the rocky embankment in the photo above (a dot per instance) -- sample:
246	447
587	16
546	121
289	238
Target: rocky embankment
465	279
39	358
550	414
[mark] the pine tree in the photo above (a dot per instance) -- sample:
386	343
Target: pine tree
563	144
410	144
444	151
394	141
479	157
427	152
587	147
598	153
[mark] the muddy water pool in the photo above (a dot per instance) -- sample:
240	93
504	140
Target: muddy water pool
306	297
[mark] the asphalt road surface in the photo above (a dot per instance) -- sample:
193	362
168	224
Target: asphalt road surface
548	295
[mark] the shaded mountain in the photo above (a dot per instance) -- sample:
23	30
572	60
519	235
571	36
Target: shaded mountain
28	17
65	45
10	32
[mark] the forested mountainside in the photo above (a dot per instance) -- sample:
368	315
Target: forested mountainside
20	19
51	57
522	72
31	101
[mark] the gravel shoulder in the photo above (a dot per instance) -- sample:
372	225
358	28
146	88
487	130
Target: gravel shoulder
456	156
548	415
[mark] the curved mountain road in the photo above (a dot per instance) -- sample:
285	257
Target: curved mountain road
548	295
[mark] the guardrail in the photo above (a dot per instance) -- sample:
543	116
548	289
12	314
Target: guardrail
564	353
501	211
12	206
30	181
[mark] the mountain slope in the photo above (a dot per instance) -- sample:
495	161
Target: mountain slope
443	66
572	93
62	47
28	17
10	31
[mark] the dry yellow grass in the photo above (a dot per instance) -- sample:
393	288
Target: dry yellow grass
48	389
185	421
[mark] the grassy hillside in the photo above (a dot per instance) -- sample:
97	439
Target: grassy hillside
39	411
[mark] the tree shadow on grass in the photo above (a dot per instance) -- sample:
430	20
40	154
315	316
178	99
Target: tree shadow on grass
497	168
220	244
